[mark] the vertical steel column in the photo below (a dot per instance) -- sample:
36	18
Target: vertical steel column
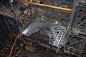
14	13
72	15
12	7
71	19
18	10
75	16
76	13
29	6
27	15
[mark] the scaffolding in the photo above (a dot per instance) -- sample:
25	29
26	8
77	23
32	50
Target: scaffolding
65	13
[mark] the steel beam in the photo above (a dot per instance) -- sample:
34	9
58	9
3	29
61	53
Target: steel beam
50	11
57	16
79	18
82	49
12	8
80	23
57	2
60	2
66	9
71	19
5	8
7	24
23	15
18	9
56	10
14	13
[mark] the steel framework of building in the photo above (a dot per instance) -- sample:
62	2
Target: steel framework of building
70	18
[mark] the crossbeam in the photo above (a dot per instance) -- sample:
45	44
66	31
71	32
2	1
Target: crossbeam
66	9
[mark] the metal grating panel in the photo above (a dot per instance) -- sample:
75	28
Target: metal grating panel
56	35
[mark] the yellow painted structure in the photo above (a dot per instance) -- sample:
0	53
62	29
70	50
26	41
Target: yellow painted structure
66	9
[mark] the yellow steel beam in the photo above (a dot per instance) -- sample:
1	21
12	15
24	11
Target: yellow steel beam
23	15
47	6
